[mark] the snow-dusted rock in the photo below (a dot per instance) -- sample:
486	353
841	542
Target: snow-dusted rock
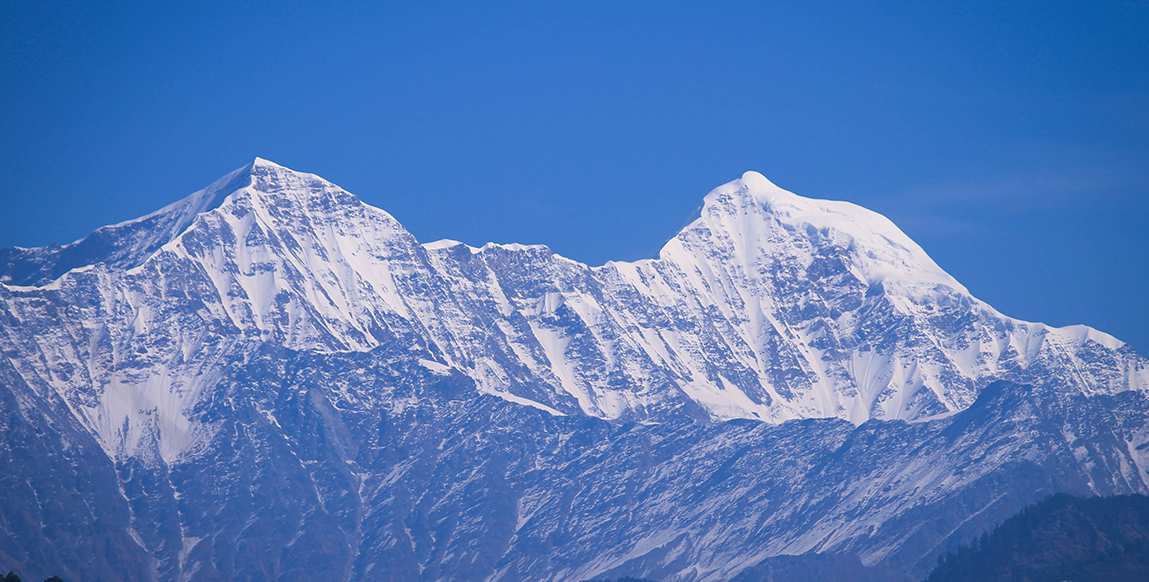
270	379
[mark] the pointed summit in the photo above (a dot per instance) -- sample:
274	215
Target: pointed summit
756	182
260	167
263	165
759	220
264	162
127	243
123	244
769	305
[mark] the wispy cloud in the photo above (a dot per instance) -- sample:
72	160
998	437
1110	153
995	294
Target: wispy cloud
1043	180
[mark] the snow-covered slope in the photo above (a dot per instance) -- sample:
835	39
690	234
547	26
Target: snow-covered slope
119	245
769	306
274	332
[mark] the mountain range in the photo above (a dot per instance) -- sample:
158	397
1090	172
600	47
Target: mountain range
270	379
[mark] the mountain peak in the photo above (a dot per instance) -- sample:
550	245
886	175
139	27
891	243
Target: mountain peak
127	243
759	215
258	162
260	165
260	168
756	182
773	305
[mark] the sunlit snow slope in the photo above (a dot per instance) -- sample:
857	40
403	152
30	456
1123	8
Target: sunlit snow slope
768	306
270	379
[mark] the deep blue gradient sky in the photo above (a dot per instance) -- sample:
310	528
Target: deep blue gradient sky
1011	141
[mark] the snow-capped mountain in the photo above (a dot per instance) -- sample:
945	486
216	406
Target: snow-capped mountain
270	378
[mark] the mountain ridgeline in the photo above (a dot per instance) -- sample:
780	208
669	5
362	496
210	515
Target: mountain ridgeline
270	379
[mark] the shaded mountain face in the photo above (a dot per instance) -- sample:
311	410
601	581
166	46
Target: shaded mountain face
1061	538
272	379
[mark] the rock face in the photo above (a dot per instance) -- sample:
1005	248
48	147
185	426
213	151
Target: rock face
273	380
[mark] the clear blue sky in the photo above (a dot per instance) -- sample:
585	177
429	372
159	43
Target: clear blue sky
1011	141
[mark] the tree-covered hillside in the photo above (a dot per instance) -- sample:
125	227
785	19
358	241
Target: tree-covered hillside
1062	538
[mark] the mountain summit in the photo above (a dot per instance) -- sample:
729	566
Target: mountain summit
272	364
769	306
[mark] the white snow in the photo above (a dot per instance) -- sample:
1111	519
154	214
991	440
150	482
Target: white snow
732	307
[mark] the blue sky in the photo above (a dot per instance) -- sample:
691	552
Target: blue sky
1011	141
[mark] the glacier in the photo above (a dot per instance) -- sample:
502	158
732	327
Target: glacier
270	378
